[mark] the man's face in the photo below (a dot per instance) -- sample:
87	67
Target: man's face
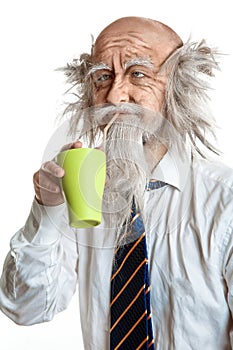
126	69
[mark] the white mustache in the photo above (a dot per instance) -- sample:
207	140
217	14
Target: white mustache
151	123
120	108
103	114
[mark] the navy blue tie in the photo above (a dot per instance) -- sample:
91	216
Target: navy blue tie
131	324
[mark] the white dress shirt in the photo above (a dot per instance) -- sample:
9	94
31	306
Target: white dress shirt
189	226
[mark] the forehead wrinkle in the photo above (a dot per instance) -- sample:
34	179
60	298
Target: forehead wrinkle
115	39
123	36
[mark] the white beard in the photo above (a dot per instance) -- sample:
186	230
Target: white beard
127	167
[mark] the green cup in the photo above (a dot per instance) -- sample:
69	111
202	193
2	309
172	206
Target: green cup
83	185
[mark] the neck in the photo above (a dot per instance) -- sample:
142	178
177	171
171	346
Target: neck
154	152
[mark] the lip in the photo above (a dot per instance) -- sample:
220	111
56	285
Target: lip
120	113
121	117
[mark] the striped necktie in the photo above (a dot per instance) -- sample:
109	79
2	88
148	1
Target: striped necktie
131	324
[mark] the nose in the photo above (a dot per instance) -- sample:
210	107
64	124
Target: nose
118	93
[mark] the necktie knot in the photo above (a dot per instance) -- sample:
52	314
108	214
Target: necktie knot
154	185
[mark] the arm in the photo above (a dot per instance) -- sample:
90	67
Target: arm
228	272
40	272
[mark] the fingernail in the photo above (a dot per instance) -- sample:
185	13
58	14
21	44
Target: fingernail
59	172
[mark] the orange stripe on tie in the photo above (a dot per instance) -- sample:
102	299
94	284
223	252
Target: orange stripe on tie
128	254
151	343
128	307
130	331
142	343
134	218
129	280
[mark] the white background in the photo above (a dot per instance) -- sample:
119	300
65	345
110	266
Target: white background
39	36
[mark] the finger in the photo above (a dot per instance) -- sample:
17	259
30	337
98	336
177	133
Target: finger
100	147
53	168
76	144
43	181
47	192
48	198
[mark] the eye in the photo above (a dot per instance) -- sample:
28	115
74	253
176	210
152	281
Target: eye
104	77
137	74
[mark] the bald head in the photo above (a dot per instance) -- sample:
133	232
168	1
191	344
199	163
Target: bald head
162	38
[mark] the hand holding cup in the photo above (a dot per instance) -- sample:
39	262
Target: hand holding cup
46	181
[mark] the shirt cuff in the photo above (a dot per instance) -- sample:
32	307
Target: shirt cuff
43	226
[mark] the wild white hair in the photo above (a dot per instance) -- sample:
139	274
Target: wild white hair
186	100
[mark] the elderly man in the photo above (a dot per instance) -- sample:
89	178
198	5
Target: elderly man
140	71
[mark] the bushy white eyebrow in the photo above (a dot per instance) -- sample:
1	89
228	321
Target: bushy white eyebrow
139	62
134	62
97	67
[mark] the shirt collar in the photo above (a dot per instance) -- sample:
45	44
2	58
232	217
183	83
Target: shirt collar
174	167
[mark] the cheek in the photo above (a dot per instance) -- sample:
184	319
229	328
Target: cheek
150	95
99	96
